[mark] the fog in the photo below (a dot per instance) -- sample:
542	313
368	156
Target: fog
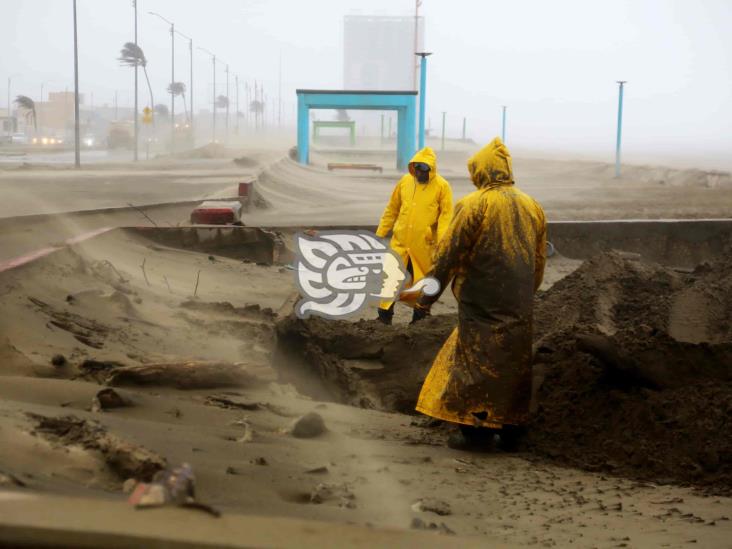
555	64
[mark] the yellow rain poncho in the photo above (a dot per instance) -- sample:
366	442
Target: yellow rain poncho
418	214
495	250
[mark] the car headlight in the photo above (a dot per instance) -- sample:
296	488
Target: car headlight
44	141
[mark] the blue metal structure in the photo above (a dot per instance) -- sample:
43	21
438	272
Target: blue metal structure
404	102
503	125
422	96
620	127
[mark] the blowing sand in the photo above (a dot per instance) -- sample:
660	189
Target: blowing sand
140	314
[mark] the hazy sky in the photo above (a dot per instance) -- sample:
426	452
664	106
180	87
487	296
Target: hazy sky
554	63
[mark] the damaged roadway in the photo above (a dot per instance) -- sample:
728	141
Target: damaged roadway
366	463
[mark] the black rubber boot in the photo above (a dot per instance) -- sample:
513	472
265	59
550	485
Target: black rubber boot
419	314
386	316
510	437
472	439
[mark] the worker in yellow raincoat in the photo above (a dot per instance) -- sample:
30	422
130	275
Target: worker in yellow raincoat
418	214
494	252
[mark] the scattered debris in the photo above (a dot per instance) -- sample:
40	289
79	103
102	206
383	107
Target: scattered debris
183	375
58	360
329	492
442	528
260	461
432	505
228	404
317	471
309	426
107	399
124	458
175	486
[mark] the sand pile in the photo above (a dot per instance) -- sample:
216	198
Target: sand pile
638	363
633	370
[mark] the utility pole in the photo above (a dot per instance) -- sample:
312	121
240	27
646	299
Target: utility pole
417	4
116	108
236	82
465	121
190	85
77	140
172	78
279	96
443	131
213	119
227	104
503	124
137	112
422	95
621	86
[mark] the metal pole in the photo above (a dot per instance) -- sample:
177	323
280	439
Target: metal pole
417	3
77	140
190	93
388	136
382	129
422	97
227	104
443	131
172	94
279	96
214	99
236	81
116	106
137	113
620	126
503	124
465	120
10	120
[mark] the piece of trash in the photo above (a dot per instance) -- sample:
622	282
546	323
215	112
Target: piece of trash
175	486
432	505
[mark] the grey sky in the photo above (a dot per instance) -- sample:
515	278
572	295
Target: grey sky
554	63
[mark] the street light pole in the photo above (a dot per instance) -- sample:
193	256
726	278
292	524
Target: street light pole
503	124
422	92
213	61
236	82
172	78
227	104
77	140
621	86
137	112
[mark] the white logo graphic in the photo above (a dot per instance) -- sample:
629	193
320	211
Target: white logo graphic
339	272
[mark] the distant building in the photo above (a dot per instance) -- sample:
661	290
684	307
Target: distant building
378	52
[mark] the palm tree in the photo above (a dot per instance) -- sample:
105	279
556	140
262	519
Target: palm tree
161	110
222	102
179	88
29	106
131	55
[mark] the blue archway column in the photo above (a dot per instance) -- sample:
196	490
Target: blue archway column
404	102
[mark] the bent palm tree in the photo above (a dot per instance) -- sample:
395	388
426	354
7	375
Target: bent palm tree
131	55
29	106
179	88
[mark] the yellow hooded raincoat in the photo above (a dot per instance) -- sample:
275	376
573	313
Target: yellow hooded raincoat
495	250
418	214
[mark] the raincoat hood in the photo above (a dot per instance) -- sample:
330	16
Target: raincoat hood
428	156
491	166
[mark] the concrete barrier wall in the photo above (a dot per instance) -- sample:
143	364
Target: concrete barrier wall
682	243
